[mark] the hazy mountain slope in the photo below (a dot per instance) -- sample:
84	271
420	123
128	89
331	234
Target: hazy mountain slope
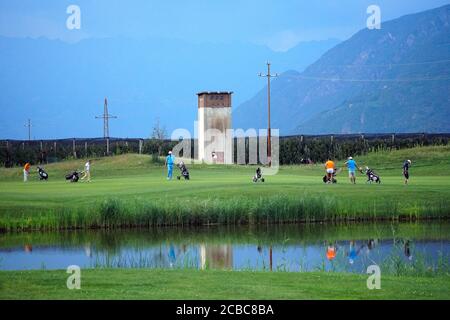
377	81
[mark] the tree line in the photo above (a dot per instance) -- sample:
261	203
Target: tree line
293	149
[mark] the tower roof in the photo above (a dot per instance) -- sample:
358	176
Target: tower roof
214	92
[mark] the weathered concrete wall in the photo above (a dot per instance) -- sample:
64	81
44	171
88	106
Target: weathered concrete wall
214	119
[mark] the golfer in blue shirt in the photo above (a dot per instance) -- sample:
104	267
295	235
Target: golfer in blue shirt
352	166
170	160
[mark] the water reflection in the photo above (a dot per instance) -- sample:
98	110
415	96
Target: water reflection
349	248
216	256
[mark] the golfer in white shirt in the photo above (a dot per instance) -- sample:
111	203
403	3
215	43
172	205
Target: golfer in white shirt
87	171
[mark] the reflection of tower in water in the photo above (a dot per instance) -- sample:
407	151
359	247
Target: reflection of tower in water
216	256
87	249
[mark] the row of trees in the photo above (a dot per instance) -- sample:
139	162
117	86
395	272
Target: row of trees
39	152
293	150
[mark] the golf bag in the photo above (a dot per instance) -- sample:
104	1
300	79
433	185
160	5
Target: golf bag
333	178
371	176
73	177
258	176
184	171
42	174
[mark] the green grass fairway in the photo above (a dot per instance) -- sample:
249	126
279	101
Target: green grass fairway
189	284
134	180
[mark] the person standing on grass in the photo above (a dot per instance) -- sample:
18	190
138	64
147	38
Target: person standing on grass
351	165
406	166
170	160
330	167
87	171
26	171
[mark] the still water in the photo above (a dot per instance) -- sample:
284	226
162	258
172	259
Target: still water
349	248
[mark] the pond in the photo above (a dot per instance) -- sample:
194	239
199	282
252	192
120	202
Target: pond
320	247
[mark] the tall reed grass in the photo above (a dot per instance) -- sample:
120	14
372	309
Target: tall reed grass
117	213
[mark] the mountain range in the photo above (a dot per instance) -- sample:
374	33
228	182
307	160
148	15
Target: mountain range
61	86
395	79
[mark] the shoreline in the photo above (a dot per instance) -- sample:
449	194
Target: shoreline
361	221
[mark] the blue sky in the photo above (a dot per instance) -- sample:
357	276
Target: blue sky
229	30
275	23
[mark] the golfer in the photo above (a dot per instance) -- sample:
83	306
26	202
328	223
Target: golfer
170	160
26	171
406	166
352	166
330	167
87	171
214	157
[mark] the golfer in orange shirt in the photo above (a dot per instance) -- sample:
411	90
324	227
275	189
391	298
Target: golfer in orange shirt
26	171
330	167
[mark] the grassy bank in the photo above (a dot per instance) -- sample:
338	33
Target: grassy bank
132	191
190	284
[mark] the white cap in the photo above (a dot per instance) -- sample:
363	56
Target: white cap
409	161
350	158
170	152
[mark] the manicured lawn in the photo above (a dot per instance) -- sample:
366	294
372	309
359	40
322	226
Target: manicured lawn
133	180
189	284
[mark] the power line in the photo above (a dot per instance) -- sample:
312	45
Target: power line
106	116
390	64
418	79
375	80
367	80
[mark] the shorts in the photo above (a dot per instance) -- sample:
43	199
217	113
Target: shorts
351	173
406	174
330	171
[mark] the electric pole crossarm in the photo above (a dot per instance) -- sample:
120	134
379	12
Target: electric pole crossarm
107	116
268	75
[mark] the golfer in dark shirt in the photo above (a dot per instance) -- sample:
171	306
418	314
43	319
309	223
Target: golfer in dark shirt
406	166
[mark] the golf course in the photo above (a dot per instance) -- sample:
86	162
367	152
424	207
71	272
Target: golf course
130	192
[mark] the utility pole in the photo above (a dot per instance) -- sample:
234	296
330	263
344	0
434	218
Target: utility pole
29	129
106	116
269	136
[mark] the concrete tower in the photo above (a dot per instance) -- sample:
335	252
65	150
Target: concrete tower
214	119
